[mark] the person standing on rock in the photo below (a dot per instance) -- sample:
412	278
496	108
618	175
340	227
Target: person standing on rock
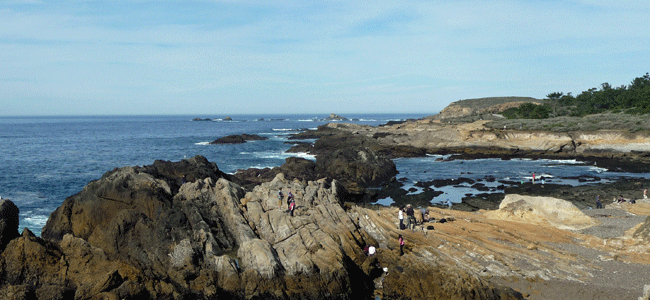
401	218
645	194
410	215
292	206
401	245
289	198
533	177
280	197
598	203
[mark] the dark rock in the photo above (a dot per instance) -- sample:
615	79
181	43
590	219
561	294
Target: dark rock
300	147
237	139
9	216
380	135
335	117
293	168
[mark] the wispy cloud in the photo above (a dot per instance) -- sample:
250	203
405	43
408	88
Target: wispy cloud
215	53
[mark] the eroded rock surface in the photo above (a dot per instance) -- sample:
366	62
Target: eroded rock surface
183	230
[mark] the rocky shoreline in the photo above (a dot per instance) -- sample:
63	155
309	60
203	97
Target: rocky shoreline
178	230
174	230
186	230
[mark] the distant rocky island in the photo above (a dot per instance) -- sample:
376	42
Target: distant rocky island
238	139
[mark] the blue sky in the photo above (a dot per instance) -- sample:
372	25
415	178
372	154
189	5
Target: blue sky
229	57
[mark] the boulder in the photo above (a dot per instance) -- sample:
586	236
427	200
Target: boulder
530	209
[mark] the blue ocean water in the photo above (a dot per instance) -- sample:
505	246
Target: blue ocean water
46	159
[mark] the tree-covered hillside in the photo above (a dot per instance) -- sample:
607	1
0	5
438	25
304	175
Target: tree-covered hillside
632	99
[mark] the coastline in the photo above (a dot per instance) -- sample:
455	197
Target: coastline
212	225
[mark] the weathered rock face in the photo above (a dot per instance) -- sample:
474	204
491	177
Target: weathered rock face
294	168
556	212
135	233
357	169
357	162
619	150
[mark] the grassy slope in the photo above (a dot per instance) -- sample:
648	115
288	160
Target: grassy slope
606	121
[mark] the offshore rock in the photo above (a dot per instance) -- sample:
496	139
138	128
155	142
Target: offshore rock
135	233
335	117
238	139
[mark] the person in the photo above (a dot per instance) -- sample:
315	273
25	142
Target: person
533	178
401	245
371	250
280	197
448	203
645	194
598	203
427	218
410	214
292	206
289	198
183	180
620	199
401	218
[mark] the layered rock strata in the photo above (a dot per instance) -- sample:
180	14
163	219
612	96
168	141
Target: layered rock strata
611	149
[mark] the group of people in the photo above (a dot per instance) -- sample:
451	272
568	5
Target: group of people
620	199
410	220
541	179
291	202
410	217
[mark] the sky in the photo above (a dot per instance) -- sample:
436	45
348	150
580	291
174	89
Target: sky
219	57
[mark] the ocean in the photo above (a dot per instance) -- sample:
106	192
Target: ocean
44	160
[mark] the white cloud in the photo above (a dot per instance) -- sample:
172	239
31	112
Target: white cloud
294	51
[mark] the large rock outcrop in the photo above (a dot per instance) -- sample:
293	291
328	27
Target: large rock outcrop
357	162
530	209
140	232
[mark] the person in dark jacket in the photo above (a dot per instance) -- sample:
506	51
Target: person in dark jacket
410	215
